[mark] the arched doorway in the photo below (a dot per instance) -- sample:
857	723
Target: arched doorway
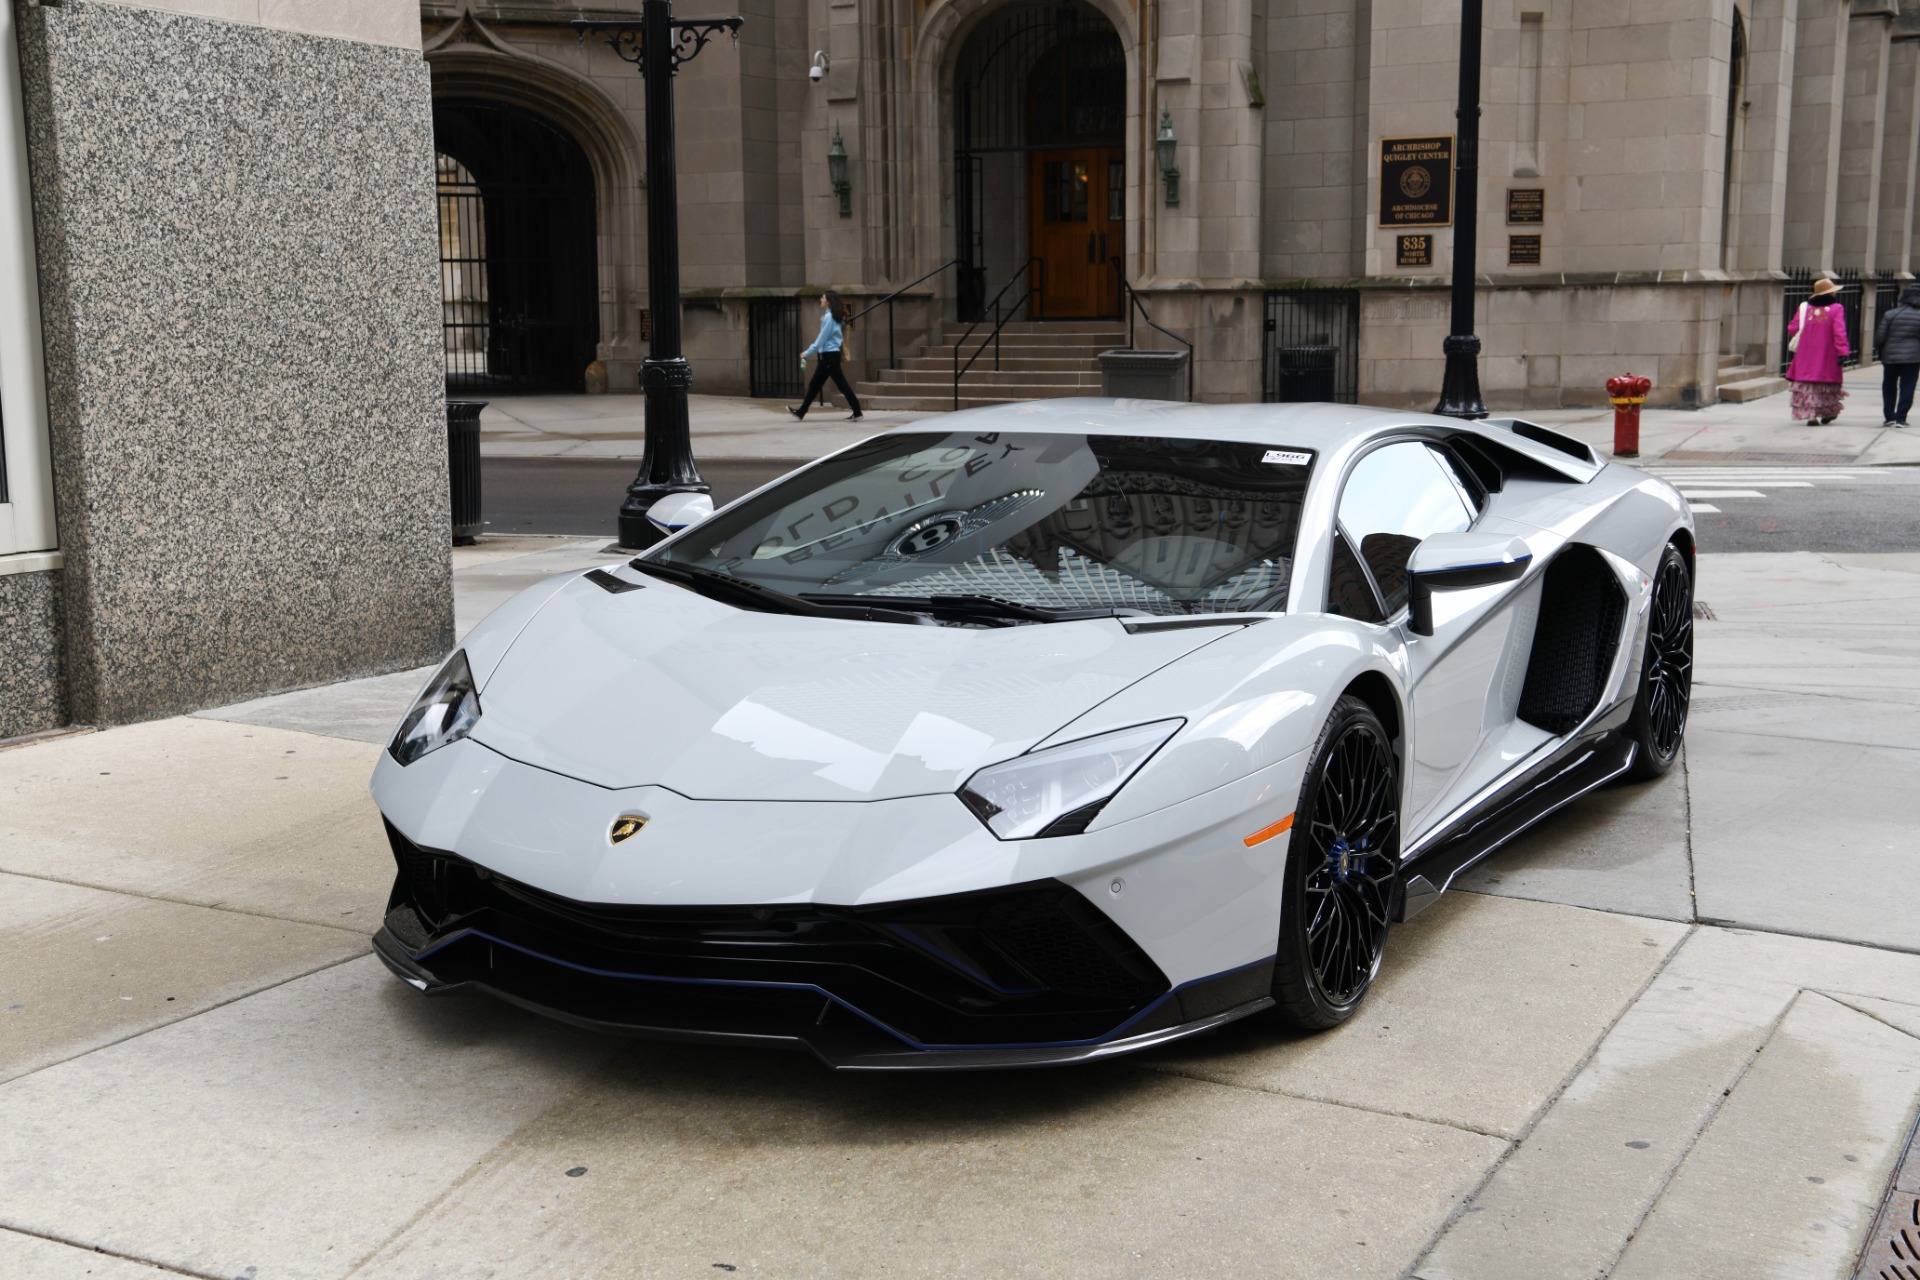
518	264
1039	160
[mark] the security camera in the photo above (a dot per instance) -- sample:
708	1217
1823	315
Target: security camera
818	71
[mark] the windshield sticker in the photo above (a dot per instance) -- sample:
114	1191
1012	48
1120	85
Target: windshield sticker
1286	458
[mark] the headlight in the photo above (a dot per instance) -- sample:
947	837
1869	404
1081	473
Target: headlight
1057	792
445	711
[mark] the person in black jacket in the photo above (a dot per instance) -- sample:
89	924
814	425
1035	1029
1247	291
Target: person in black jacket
1897	339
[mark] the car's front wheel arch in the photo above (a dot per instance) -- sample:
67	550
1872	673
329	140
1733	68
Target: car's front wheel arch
1342	874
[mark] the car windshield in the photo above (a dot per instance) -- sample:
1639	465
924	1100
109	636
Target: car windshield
1057	524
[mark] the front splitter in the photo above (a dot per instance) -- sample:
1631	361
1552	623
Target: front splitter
393	953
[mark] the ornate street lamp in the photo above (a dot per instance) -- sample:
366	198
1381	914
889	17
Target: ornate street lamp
1460	389
657	44
1164	147
837	173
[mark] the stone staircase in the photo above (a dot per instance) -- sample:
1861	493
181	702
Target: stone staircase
1039	360
1740	383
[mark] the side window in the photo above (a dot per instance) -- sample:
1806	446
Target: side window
1472	491
1349	591
1395	497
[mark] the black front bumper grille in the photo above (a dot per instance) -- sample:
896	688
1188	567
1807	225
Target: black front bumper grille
1029	965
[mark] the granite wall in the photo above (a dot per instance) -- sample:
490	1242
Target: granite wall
236	235
32	689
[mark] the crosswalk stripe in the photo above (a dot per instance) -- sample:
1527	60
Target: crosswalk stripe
1759	480
1824	473
1691	494
1703	508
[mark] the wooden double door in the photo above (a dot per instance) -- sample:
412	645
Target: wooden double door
1079	206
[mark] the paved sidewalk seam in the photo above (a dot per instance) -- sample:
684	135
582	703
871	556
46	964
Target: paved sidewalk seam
1673	1169
472	1171
1686	790
1575	906
109	1253
1846	1000
185	902
1318	1100
1760	617
1798	693
1742	926
1794	737
1552	1100
183	1018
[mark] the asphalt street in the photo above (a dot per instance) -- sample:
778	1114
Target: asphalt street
1739	508
1815	508
582	495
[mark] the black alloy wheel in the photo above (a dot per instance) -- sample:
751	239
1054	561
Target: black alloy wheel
1659	720
1342	868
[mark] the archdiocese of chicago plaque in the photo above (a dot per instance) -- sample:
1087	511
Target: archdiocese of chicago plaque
1416	182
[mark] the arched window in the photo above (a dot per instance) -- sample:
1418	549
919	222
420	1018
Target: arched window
26	475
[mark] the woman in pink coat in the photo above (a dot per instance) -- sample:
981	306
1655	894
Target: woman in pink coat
1814	370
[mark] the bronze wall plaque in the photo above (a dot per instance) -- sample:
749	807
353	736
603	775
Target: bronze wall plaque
1414	251
1523	251
1526	205
1416	182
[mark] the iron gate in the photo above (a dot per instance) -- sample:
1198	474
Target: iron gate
1852	304
518	267
774	345
1886	296
1312	346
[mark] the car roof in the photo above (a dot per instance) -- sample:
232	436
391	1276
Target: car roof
1325	428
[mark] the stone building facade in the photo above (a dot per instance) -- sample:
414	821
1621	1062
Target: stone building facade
224	469
1678	159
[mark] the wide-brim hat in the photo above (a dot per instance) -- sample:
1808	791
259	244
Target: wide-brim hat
1823	287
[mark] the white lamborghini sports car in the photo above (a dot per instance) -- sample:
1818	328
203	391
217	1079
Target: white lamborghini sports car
1039	733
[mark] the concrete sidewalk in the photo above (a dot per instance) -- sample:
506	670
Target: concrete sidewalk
727	427
1672	1032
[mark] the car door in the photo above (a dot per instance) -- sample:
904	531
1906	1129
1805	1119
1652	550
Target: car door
1396	496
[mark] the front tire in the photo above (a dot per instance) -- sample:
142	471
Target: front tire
1342	864
1659	722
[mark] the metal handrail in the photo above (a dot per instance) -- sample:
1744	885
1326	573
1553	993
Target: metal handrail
1133	305
887	302
999	321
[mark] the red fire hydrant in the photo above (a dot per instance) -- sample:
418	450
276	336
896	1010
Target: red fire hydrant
1628	392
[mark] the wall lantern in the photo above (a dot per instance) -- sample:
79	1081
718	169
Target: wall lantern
1163	146
837	173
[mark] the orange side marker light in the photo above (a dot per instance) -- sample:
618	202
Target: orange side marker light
1265	834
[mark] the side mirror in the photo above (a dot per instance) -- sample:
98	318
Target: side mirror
1452	561
678	510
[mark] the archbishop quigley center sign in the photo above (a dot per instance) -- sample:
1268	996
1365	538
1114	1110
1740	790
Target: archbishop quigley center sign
1416	182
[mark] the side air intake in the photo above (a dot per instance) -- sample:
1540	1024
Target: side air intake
1582	609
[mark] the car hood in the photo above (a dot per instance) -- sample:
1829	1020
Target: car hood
661	686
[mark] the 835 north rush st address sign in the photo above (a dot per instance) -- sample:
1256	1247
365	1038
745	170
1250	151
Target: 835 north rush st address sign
1416	182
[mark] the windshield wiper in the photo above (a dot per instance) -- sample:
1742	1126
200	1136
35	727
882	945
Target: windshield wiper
985	608
751	595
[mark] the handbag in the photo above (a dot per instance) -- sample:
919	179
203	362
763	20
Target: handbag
1793	343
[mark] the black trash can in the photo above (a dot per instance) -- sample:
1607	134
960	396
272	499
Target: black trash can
463	468
1306	373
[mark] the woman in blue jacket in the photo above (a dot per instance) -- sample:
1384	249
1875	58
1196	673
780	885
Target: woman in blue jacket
833	335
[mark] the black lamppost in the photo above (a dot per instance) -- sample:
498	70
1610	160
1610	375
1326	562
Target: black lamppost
657	44
1460	391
